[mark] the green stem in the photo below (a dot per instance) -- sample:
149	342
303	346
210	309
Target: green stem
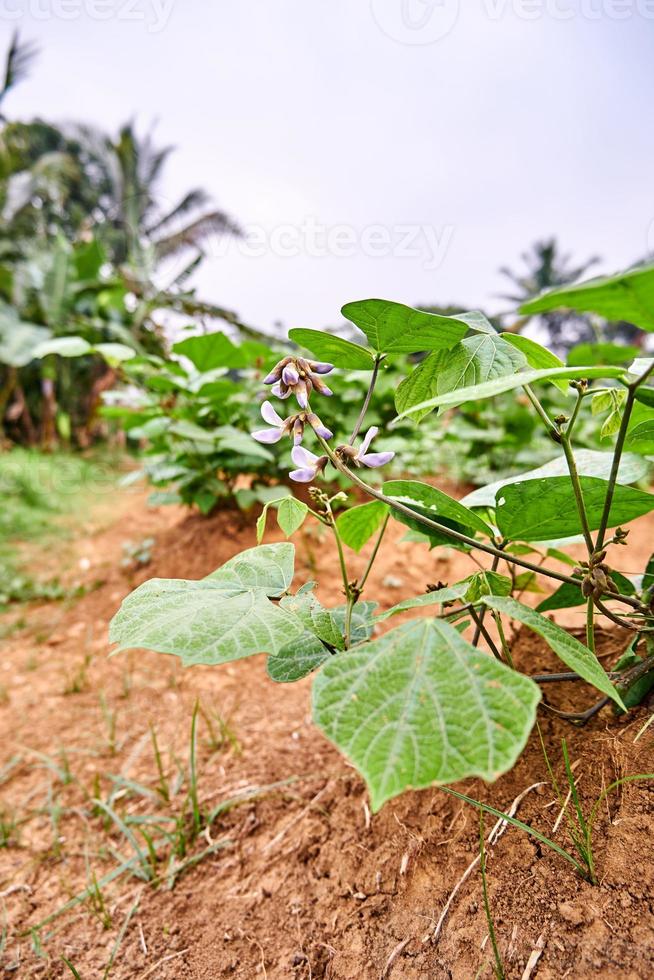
590	624
366	404
617	455
547	421
346	582
505	646
364	577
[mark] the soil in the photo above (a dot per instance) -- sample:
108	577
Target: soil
301	880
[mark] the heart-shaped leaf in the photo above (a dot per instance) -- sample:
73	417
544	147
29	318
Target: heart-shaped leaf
393	328
421	706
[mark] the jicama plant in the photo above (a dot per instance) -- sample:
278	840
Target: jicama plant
437	698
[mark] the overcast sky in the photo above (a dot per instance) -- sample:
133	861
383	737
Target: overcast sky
396	148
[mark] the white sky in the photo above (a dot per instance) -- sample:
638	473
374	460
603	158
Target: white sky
525	119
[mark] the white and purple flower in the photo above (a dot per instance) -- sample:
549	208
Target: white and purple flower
309	465
361	456
297	376
294	425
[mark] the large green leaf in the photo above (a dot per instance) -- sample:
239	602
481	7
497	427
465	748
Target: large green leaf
540	510
393	328
421	706
223	617
625	296
538	357
573	653
201	622
358	524
435	504
589	462
335	350
497	386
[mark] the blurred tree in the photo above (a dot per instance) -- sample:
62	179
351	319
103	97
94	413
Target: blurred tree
545	268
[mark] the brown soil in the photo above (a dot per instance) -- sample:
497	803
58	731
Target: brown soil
308	884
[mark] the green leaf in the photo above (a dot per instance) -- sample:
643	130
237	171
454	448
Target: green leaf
641	438
603	353
115	352
497	386
589	462
263	516
438	596
487	583
201	622
625	296
418	387
539	510
393	328
421	706
64	347
538	357
291	515
573	653
329	624
645	395
212	350
358	524
297	659
565	597
335	350
477	360
435	504
268	568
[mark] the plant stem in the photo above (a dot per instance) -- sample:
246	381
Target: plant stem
576	484
505	646
549	425
366	404
617	455
364	577
346	582
480	620
481	629
590	624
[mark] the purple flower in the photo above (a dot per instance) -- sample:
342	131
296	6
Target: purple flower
361	456
309	465
293	425
295	375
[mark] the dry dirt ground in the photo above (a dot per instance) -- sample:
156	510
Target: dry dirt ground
297	879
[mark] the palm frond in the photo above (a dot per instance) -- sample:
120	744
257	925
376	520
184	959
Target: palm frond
20	57
195	233
192	201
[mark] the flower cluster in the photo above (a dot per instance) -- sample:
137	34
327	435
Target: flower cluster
294	425
300	377
296	376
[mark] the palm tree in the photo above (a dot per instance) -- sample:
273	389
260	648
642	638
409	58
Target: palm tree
127	173
545	268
